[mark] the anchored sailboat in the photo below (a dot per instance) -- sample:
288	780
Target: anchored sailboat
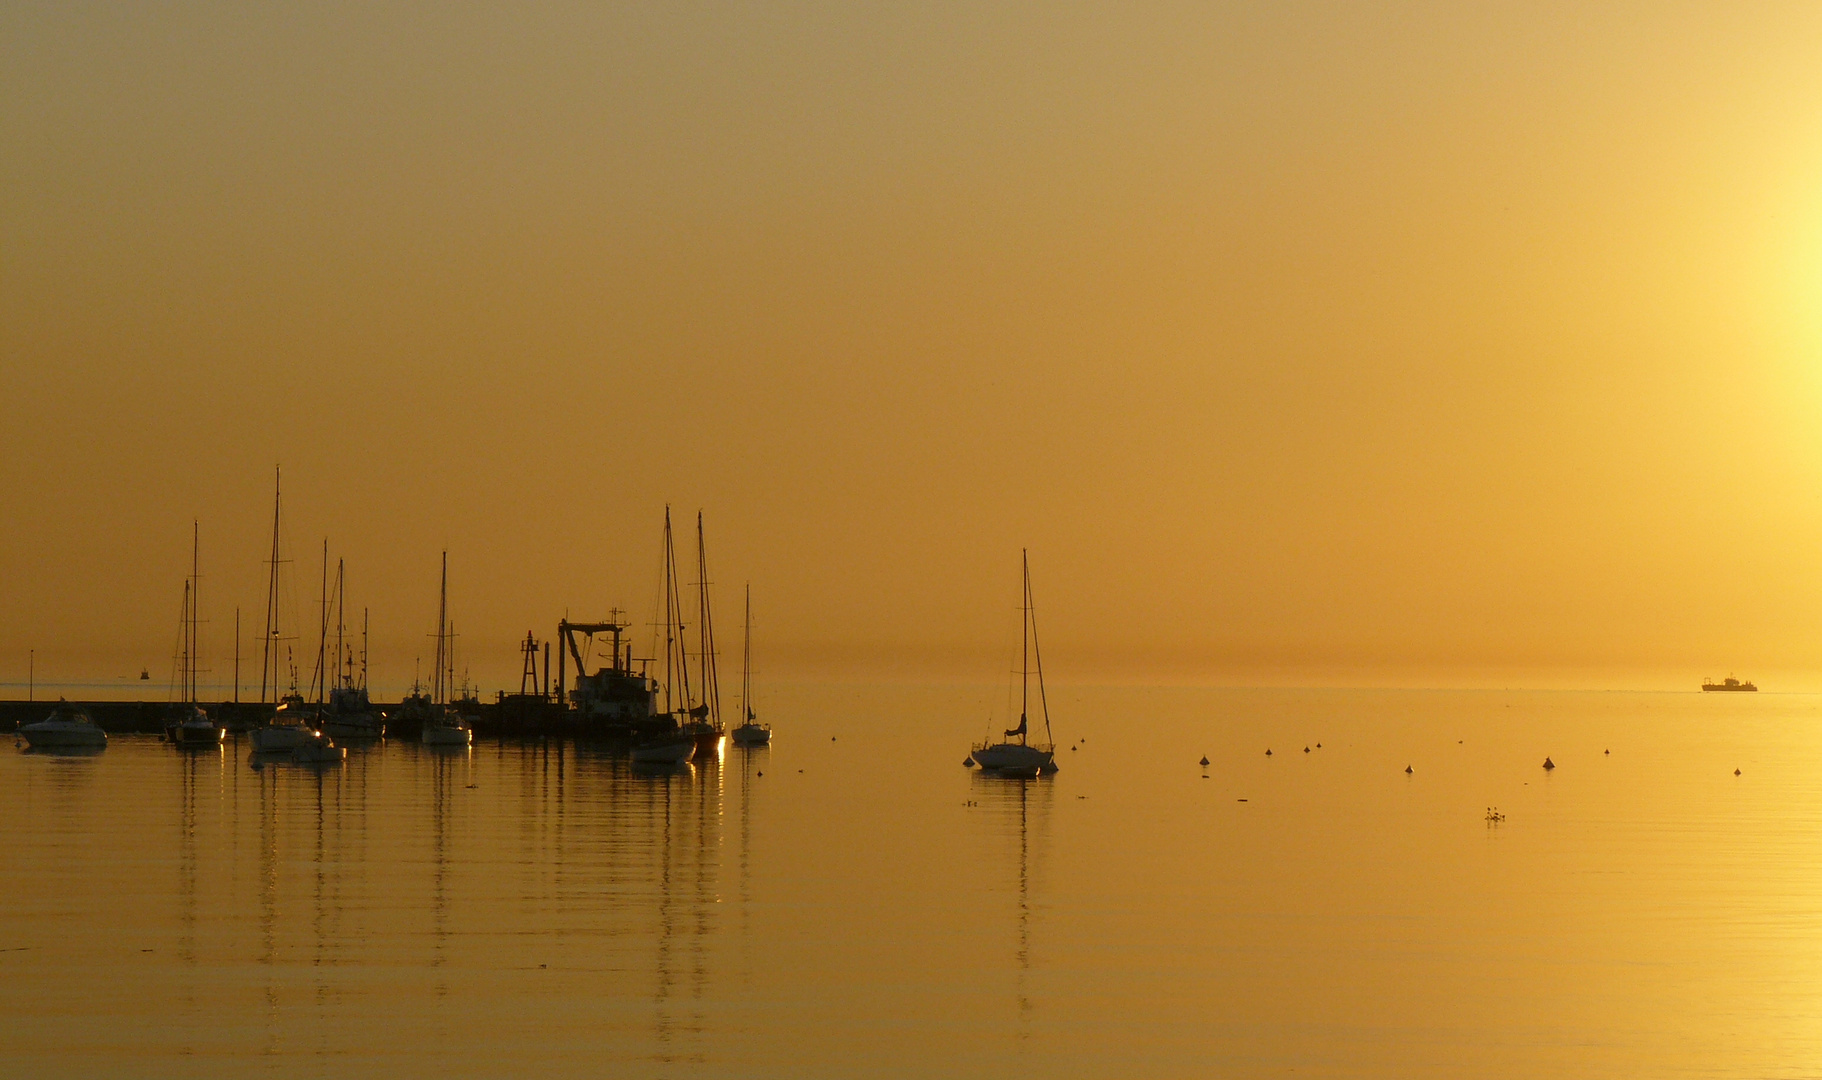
444	726
350	713
289	726
1024	757
750	732
190	727
677	744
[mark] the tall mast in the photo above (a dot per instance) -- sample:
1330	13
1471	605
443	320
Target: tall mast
438	686
268	659
676	650
190	650
237	654
711	680
1024	641
319	680
746	661
342	661
183	645
363	648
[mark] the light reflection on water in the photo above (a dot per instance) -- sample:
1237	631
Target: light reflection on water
863	905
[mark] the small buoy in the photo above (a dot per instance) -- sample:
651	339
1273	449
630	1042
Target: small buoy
1548	764
1204	761
831	738
1239	800
1408	770
1306	749
1205	776
1072	749
1318	746
1736	772
762	773
1268	752
1606	751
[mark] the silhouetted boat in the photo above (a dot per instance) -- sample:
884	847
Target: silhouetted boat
349	713
704	721
1023	758
675	749
751	732
190	727
291	723
66	726
444	726
1729	684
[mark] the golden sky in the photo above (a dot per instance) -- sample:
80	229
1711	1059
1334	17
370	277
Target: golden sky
1411	343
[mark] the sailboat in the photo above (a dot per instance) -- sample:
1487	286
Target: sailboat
350	713
290	724
191	727
705	719
1023	758
443	726
676	744
751	732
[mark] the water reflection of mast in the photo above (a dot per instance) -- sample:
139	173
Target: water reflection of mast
439	895
1031	800
268	900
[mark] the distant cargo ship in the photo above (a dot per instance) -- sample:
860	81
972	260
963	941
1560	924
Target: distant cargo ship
1729	683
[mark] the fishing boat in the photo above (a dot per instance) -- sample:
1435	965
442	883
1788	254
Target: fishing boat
443	725
1023	758
751	732
66	727
189	726
1728	685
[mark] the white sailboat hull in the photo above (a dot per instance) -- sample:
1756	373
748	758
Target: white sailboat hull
440	735
752	735
281	737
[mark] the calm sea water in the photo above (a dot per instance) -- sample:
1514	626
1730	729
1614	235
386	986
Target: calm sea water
853	901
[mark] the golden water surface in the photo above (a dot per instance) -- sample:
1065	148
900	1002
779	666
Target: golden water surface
852	901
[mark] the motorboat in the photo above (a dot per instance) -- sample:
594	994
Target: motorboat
1023	758
66	726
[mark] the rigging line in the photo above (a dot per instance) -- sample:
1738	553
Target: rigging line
1032	613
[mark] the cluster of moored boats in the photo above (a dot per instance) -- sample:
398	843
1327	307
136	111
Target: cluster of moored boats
665	718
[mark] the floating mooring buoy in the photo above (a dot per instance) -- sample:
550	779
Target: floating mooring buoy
1548	764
